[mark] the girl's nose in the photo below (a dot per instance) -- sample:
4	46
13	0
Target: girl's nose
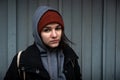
53	33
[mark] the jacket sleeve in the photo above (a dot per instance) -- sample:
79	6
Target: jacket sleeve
12	72
77	71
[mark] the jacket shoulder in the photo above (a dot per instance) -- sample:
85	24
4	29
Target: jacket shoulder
69	52
31	48
30	55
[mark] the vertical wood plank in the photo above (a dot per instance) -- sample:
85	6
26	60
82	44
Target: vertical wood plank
67	17
110	40
54	3
33	5
43	2
11	29
3	37
104	41
110	55
118	41
86	40
96	39
22	24
77	27
60	5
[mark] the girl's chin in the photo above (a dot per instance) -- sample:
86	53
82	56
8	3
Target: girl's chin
53	45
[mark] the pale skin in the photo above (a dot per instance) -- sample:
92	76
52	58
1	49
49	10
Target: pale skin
51	35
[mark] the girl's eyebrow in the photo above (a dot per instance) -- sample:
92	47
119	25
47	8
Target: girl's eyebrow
58	25
50	26
47	27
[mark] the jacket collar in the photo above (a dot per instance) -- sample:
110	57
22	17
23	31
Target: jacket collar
69	54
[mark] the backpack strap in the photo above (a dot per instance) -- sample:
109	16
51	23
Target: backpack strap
18	63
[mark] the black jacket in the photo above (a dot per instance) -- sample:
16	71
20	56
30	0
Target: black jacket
31	63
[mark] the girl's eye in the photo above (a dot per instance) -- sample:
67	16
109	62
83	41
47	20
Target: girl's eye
46	30
58	28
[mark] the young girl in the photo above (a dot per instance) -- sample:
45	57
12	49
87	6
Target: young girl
50	57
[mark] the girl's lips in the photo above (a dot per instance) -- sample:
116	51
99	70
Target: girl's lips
54	41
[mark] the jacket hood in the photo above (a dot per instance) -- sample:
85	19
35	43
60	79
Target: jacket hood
36	17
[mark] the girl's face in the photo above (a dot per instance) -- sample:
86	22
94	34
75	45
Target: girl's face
51	35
